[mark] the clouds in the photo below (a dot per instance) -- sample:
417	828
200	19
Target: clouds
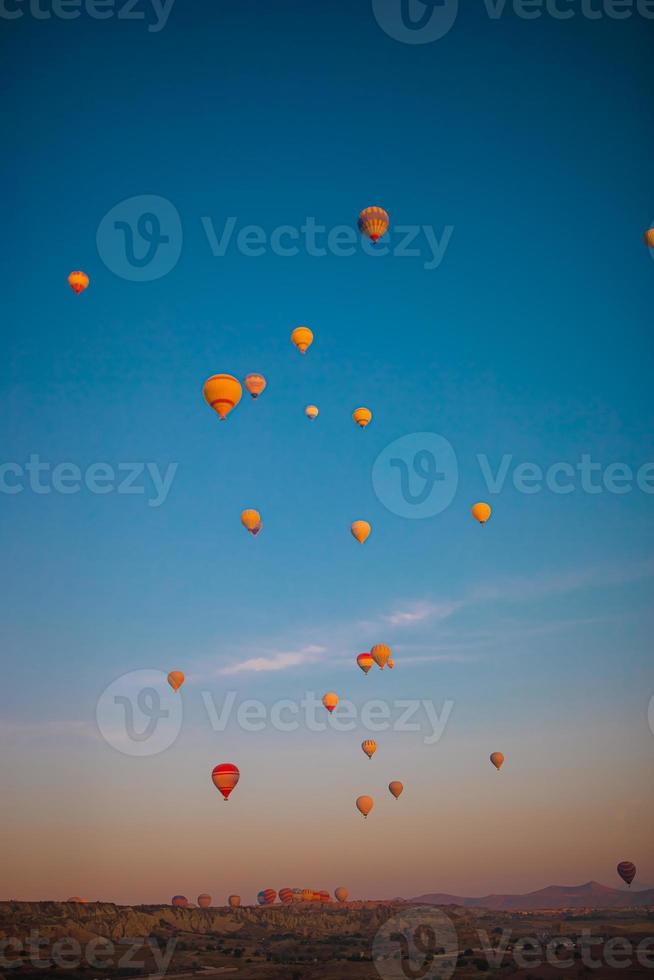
275	661
421	611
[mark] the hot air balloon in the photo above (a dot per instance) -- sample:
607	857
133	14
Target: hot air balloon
223	393
627	871
365	662
176	679
302	337
307	894
255	384
381	654
286	896
297	894
361	531
78	282
391	664
341	894
225	777
649	237
204	900
481	512
267	896
395	788
251	520
369	746
330	701
364	804
311	412
497	759
373	222
234	901
180	901
324	896
362	417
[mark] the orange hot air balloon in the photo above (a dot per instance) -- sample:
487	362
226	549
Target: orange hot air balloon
255	384
365	662
649	237
78	282
204	900
330	701
362	417
251	520
234	901
364	804
302	337
395	788
225	777
381	654
176	679
373	223
390	664
361	531
497	759
307	894
481	512
311	412
369	746
223	392
627	871
341	894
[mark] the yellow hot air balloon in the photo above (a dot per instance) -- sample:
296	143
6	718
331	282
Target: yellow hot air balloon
373	222
330	701
361	531
649	237
307	894
481	512
176	679
364	804
251	519
362	417
381	654
255	384
369	746
395	788
302	337
78	281
311	412
341	894
223	392
497	759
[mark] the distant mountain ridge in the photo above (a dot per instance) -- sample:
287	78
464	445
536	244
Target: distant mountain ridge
590	895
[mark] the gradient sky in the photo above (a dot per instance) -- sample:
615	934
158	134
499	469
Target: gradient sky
532	139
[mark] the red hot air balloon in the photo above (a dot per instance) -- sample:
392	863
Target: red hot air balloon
627	871
180	901
225	777
204	900
286	896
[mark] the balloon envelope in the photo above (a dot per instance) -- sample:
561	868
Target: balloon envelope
649	237
255	384
361	531
234	901
302	337
497	759
225	777
286	895
78	281
362	417
330	700
627	871
364	804
373	222
223	392
481	512
204	900
341	894
365	662
180	901
381	654
311	412
176	679
395	788
369	746
251	520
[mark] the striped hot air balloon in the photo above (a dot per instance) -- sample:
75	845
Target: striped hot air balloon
267	896
286	896
307	894
324	896
369	746
365	662
373	223
627	871
225	777
380	653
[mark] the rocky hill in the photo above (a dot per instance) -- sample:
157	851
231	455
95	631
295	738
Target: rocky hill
590	895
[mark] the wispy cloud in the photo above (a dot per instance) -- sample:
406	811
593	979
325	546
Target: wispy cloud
274	661
418	612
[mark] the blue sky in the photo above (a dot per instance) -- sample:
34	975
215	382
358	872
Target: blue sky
530	141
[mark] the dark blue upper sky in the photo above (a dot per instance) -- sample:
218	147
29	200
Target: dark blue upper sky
525	147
